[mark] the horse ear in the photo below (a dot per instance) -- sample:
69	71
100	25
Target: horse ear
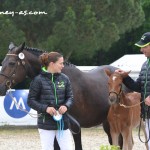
11	45
108	72
20	48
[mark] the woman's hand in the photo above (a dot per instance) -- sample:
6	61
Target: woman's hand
147	101
62	109
51	111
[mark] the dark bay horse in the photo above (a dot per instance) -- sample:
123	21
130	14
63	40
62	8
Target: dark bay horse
90	89
123	120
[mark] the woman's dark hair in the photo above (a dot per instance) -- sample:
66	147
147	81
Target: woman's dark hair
46	58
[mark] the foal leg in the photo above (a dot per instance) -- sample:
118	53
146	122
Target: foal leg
130	141
127	139
114	136
106	128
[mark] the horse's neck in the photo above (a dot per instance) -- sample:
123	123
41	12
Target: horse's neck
124	99
33	64
72	72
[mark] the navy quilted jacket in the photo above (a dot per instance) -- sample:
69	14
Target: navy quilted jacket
142	85
48	89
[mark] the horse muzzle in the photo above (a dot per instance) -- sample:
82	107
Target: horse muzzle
112	100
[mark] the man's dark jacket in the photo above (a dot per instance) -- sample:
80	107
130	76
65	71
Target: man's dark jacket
48	89
142	85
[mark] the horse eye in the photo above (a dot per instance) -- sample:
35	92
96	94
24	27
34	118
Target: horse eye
12	63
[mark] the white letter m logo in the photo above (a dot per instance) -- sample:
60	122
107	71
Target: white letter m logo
18	105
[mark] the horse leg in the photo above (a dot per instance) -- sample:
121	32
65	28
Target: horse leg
132	140
114	138
127	139
77	141
106	128
56	146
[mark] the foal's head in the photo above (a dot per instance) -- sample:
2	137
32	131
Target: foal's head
115	85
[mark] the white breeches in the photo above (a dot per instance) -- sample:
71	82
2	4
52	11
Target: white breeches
64	139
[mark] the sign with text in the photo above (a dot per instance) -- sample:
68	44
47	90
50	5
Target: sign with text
12	109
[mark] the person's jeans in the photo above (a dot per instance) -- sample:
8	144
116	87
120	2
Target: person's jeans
64	139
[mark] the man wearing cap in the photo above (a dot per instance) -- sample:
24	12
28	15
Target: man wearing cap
142	84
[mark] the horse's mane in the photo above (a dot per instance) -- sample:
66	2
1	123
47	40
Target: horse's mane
35	51
66	63
38	52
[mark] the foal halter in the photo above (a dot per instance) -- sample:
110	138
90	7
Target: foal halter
118	97
10	79
117	94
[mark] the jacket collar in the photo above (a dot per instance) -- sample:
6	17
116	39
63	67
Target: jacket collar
48	74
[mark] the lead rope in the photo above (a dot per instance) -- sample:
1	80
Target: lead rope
60	123
139	131
21	108
146	109
125	106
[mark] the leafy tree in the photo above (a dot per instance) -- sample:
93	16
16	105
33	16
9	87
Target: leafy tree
126	43
146	24
78	28
8	32
79	37
96	26
36	27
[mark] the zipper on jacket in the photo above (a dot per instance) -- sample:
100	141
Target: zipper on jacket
55	93
43	118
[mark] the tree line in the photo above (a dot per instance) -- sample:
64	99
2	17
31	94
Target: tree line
87	32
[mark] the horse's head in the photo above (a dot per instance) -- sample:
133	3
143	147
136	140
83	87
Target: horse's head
115	85
13	68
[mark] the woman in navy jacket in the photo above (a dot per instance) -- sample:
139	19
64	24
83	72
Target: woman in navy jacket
50	94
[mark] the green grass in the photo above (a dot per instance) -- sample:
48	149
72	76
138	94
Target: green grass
109	147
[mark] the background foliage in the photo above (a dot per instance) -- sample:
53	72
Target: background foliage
87	32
